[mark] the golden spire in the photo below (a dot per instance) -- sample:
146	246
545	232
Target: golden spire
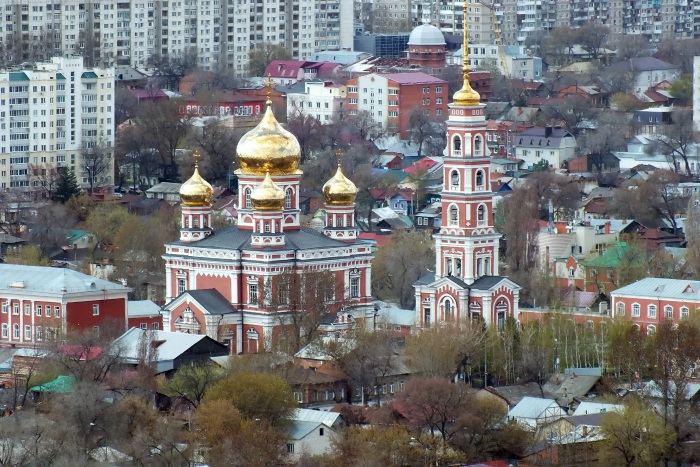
339	190
196	191
268	84
466	96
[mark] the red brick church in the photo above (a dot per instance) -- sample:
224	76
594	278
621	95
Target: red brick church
233	284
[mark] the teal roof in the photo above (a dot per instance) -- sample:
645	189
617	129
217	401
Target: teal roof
60	76
612	257
61	385
89	75
19	76
74	235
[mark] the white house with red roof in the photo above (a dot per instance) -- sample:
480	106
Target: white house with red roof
292	71
321	99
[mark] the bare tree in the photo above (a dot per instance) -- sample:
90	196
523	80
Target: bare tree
166	131
676	139
218	141
592	37
43	180
608	136
308	131
97	164
427	131
536	356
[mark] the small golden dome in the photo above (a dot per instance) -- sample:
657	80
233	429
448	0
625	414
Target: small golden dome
339	190
466	95
268	148
196	191
267	196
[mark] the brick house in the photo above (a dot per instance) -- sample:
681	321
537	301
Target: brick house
651	300
38	303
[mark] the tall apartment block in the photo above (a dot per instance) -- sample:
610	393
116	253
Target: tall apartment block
128	32
51	116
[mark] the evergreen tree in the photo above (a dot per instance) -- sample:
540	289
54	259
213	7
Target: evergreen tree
67	186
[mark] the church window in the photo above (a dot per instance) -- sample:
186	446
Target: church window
478	143
267	226
454	180
481	216
253	294
487	266
458	267
456	146
339	222
288	199
479	267
246	196
480	180
426	317
187	222
195	222
181	286
454	216
355	287
448	310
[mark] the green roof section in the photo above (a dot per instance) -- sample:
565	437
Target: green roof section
61	385
60	76
18	76
613	256
89	75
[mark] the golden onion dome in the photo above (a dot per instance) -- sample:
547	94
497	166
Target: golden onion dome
267	196
268	148
196	191
466	95
339	190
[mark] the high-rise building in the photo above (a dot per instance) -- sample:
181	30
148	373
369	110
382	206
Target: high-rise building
214	32
55	115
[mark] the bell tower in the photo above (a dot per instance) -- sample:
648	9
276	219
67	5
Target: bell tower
467	245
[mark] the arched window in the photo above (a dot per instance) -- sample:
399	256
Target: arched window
454	180
668	312
635	309
449	313
651	311
454	216
685	312
481	215
339	222
620	309
288	199
457	145
246	198
651	329
478	143
480	180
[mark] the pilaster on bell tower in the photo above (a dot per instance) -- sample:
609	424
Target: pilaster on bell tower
467	244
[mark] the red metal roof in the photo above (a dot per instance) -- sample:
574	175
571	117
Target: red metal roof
416	77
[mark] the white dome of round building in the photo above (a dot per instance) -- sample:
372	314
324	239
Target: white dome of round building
426	34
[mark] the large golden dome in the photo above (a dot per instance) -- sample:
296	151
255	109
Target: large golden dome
339	190
196	191
268	148
267	196
466	95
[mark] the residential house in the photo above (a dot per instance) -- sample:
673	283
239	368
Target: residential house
9	243
392	318
321	99
310	433
551	144
532	412
592	408
587	164
220	103
647	71
173	350
522	114
167	191
41	303
292	71
591	94
602	274
148	95
143	314
649	121
430	217
317	387
652	300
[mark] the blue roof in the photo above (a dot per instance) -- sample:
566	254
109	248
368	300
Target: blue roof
300	429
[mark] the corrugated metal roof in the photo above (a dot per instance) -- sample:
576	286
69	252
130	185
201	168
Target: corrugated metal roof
173	344
47	280
533	408
300	429
654	287
317	416
19	76
585	408
141	308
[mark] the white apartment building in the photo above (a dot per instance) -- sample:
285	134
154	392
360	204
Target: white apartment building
520	65
221	32
51	116
322	100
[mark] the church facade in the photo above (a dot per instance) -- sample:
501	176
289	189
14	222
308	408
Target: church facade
247	284
465	284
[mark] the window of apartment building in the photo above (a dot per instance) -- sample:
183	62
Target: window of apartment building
28	332
668	312
635	310
95	309
27	309
15	331
57	311
38	310
15	308
426	90
438	88
651	311
4	331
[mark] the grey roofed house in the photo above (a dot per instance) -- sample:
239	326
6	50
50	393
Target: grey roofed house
542	137
534	411
135	308
168	191
330	419
638	64
174	349
24	280
587	408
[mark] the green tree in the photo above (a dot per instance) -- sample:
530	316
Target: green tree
192	382
682	90
67	186
28	255
636	436
262	55
399	264
106	220
256	396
